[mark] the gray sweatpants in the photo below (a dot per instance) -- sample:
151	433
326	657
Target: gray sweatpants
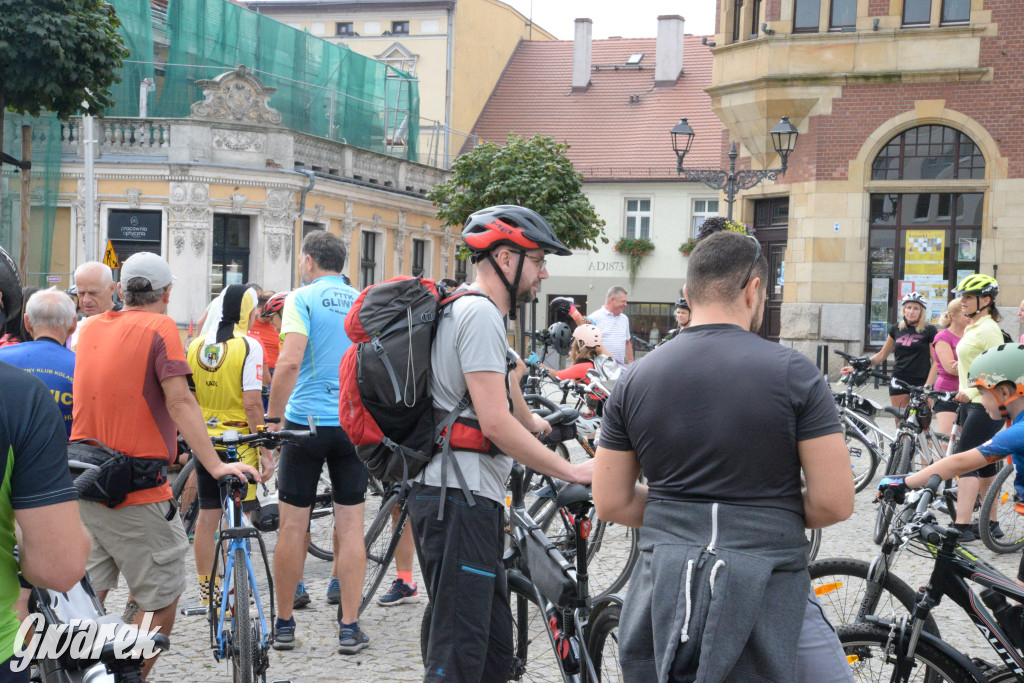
820	656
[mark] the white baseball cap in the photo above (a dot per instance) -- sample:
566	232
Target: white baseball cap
149	267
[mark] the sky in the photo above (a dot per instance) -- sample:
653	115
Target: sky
611	18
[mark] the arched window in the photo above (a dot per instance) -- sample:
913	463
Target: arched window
929	153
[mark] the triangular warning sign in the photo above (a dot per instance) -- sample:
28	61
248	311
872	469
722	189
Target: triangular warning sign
110	258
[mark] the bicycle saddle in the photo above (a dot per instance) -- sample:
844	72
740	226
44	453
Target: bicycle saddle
571	494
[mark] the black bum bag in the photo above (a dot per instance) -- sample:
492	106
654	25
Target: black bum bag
120	474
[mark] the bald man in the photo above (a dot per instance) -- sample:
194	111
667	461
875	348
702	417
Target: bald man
95	284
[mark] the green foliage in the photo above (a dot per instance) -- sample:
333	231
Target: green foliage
56	53
533	173
718	223
635	250
689	245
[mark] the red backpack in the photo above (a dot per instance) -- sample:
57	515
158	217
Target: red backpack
385	404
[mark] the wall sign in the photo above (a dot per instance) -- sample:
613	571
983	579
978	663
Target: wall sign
134	226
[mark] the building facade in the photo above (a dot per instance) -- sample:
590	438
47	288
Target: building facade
457	49
227	194
614	102
909	169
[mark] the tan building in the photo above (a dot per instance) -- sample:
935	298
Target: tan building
457	49
224	195
909	171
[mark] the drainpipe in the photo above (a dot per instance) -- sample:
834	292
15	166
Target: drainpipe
302	210
449	58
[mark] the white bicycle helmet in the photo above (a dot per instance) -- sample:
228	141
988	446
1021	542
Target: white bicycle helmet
587	335
587	426
916	298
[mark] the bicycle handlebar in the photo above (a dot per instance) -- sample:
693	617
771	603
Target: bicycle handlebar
233	438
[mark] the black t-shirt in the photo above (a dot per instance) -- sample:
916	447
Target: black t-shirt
913	355
716	416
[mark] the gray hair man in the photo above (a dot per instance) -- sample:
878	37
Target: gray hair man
94	282
613	322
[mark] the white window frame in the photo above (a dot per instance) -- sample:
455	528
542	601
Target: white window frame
318	28
638	215
703	215
379	256
427	255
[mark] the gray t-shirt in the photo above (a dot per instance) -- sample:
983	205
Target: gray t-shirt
470	338
716	416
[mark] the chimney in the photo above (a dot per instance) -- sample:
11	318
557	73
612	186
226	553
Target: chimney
581	55
669	56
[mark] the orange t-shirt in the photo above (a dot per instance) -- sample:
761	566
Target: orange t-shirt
263	332
122	356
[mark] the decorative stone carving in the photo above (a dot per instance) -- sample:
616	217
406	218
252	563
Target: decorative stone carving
236	96
447	242
318	212
133	196
239	141
189	216
179	241
279	242
198	242
348	224
280	212
376	220
425	229
237	202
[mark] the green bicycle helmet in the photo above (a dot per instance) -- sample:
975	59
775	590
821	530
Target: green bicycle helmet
1003	363
978	285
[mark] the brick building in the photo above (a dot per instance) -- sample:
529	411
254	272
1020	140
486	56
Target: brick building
909	170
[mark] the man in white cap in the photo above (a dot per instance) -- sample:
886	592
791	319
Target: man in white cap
124	357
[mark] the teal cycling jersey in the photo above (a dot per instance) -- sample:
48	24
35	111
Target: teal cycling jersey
317	311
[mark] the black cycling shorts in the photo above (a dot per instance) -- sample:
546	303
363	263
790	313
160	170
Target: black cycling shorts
298	472
945	407
210	492
977	428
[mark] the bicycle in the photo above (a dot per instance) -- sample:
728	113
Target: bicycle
69	617
582	632
1002	495
906	645
242	640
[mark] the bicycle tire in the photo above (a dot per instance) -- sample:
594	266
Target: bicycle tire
608	571
813	543
321	530
1003	674
1001	496
841	599
186	493
243	660
381	540
883	515
866	648
863	461
603	644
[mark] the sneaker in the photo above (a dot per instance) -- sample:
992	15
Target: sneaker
333	591
967	533
301	596
400	593
352	640
995	530
284	638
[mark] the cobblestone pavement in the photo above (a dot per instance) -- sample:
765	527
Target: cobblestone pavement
394	654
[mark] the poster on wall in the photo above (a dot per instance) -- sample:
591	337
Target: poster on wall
882	259
967	249
925	265
879	289
877	333
906	287
961	274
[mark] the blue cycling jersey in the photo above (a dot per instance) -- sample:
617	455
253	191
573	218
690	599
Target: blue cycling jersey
1010	442
318	312
50	362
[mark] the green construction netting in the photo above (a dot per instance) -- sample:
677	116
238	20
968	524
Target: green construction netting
43	195
323	89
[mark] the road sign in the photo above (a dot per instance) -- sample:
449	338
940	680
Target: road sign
110	258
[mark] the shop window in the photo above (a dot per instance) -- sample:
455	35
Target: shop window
843	16
419	258
703	209
230	252
917	13
638	219
133	231
650	320
368	264
807	16
924	242
955	12
929	153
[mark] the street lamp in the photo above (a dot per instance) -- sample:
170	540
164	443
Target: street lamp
784	136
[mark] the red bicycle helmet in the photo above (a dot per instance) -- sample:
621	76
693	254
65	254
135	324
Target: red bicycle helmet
510	226
275	304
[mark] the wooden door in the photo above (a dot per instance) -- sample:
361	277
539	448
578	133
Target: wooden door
771	223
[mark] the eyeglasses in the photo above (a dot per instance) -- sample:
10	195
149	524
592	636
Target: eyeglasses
757	255
542	262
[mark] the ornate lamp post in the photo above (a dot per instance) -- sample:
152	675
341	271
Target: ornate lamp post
784	136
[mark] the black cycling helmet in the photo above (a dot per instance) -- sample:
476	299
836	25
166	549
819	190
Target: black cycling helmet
681	303
10	288
512	226
560	338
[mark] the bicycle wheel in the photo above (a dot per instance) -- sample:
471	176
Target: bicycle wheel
813	543
1001	675
185	492
883	516
863	460
868	650
321	521
611	548
842	588
603	645
1001	496
243	660
381	540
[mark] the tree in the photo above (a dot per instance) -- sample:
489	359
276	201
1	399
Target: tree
534	173
56	54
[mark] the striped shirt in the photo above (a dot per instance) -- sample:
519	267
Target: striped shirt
615	329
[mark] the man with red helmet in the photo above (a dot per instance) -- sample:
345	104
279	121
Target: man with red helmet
470	635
